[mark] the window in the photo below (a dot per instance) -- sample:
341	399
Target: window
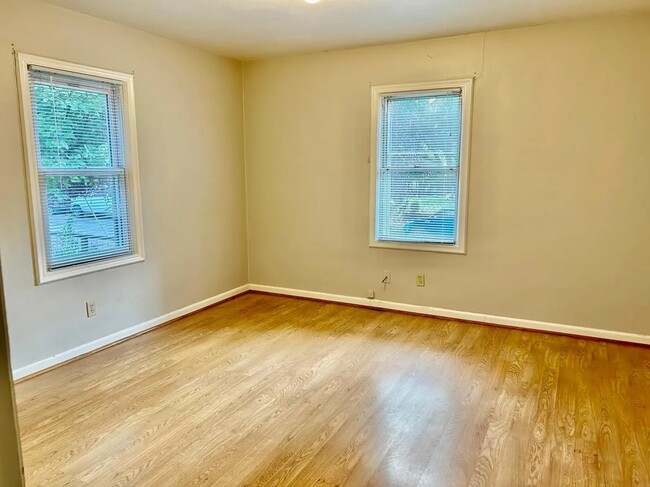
419	166
82	167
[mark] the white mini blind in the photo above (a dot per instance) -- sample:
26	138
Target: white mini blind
418	163
82	173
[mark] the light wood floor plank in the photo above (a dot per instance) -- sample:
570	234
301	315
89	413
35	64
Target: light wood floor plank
272	391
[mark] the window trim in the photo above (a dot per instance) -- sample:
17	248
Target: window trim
377	92
39	252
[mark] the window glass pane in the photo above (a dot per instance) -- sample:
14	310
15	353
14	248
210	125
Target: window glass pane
424	131
73	126
86	218
419	206
418	168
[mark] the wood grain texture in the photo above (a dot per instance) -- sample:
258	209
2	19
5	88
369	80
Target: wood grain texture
267	390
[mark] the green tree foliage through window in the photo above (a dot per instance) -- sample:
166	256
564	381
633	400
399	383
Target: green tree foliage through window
72	126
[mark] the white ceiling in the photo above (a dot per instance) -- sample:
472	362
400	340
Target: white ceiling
258	28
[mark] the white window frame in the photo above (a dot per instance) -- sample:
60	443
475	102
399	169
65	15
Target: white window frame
377	93
41	273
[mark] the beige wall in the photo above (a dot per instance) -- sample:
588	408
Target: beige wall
189	117
559	199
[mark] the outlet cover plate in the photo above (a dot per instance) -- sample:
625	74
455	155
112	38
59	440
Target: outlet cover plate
91	309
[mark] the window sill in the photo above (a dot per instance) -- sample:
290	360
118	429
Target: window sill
422	247
45	276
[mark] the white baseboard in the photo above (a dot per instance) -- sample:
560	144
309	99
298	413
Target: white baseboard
336	298
122	334
461	315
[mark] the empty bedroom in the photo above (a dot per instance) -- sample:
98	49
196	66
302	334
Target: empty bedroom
325	243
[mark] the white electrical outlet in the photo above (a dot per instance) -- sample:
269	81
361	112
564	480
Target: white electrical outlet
420	280
91	309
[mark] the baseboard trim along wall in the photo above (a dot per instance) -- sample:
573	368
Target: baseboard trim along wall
543	326
77	352
112	339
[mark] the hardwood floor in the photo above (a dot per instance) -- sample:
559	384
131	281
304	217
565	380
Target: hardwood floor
266	390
